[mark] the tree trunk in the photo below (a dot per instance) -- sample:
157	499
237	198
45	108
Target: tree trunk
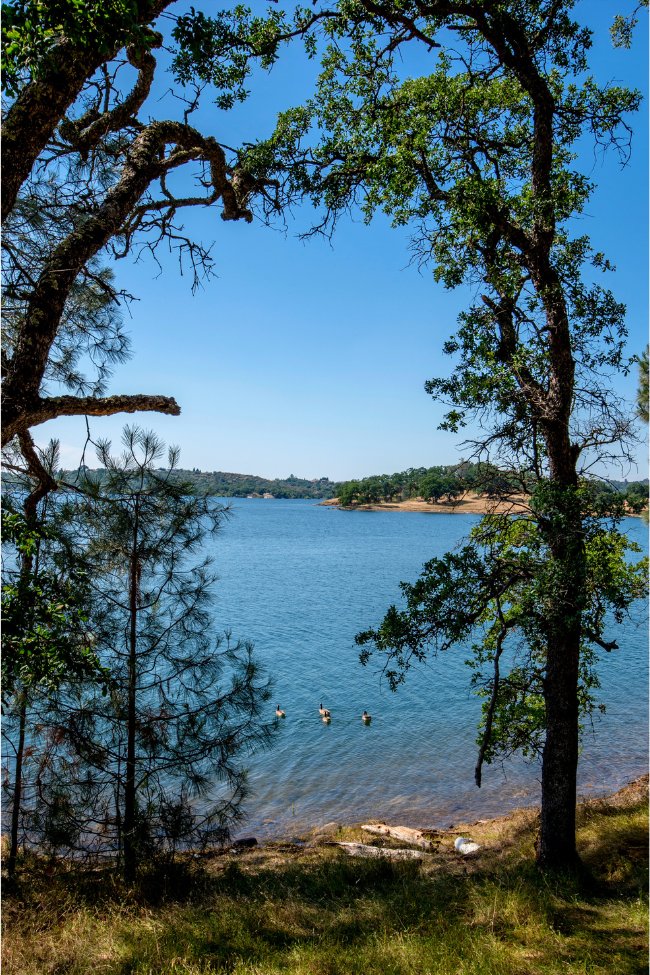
556	846
129	824
28	567
18	788
32	119
563	522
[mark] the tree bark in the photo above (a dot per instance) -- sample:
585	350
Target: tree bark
556	846
144	163
557	841
18	788
47	408
129	820
32	119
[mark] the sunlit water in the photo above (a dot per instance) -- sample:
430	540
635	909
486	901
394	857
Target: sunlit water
299	580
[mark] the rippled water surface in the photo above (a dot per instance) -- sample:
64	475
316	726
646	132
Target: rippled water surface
300	580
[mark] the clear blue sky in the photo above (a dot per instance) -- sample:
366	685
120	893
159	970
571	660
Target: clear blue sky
310	358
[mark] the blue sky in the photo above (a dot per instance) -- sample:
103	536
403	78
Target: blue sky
309	358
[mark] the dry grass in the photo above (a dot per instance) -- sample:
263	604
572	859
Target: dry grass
280	909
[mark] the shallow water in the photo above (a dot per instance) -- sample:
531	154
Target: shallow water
300	580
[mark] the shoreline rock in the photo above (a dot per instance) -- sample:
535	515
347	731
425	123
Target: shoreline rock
323	835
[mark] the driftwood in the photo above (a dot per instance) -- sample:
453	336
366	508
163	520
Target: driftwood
362	850
404	833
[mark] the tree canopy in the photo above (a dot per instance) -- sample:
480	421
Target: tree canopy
92	172
479	155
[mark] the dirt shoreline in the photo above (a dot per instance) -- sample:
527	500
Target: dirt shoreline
468	504
485	831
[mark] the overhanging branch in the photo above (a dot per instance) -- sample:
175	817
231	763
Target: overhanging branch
49	408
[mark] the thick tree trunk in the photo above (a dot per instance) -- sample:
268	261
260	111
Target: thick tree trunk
32	119
556	846
22	404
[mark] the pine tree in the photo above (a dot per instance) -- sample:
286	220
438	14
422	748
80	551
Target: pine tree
156	761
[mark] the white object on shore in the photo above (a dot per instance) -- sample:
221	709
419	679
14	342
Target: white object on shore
464	845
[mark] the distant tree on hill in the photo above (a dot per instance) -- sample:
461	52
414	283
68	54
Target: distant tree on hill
434	487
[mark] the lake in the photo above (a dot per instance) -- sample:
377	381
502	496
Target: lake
299	580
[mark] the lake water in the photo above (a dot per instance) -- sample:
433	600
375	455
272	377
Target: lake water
299	580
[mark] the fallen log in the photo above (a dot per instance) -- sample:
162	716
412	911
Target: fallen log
404	833
363	850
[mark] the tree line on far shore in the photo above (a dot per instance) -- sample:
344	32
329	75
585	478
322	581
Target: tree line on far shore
221	484
449	483
440	483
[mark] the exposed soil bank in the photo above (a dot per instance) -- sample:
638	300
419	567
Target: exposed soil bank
468	504
492	834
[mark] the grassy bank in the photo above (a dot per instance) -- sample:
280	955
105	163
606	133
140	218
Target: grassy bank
312	911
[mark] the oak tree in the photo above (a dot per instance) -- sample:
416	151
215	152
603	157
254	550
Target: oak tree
480	157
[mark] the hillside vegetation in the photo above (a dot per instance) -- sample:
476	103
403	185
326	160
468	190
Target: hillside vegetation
222	484
447	483
432	484
308	910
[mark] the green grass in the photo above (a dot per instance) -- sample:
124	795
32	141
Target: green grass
316	912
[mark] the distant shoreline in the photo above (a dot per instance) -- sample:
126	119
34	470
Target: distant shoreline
469	504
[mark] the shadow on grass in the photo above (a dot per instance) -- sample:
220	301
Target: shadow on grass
329	915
